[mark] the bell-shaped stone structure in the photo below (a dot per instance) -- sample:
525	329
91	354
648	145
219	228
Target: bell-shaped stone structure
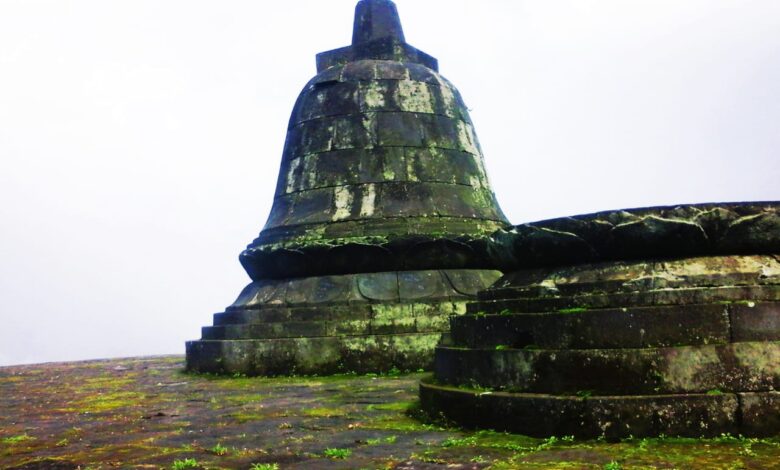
379	225
623	323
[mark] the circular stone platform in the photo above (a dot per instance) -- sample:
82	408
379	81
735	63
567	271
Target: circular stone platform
643	345
368	322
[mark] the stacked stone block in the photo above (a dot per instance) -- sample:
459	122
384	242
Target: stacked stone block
625	323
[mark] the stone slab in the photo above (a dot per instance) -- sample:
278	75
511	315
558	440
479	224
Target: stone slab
305	356
634	327
302	329
736	367
613	417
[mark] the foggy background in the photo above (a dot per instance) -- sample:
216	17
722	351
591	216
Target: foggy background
140	139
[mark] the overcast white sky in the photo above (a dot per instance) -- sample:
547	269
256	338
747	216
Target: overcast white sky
140	139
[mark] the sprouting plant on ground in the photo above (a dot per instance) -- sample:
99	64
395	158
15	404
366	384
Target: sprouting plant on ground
219	449
264	466
613	465
16	439
337	453
459	442
184	464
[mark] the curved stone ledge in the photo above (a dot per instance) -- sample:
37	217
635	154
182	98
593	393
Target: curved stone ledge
614	417
306	356
347	252
655	232
597	329
627	327
302	329
737	367
378	313
670	297
648	282
363	288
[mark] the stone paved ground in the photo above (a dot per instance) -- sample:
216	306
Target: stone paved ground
148	413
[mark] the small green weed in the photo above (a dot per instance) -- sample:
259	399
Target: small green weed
613	465
184	464
16	439
339	454
264	466
501	347
219	449
455	442
573	310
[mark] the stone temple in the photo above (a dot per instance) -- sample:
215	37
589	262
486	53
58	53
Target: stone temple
385	248
379	222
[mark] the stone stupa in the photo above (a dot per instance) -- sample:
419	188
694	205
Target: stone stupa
378	231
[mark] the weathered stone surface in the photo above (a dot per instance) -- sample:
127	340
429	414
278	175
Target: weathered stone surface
760	413
648	282
368	144
613	417
313	355
734	367
623	323
364	322
147	413
380	222
656	232
634	327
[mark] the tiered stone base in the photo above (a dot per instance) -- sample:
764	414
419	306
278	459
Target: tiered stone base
685	347
370	322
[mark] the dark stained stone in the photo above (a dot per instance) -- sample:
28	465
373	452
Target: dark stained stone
757	232
613	417
415	285
379	286
656	232
626	323
635	327
626	371
760	413
755	321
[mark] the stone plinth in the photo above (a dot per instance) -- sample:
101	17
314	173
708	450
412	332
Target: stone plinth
640	322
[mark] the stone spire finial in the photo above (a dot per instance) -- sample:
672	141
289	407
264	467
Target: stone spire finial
376	19
377	35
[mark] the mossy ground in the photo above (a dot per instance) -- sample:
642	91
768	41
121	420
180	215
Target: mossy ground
148	413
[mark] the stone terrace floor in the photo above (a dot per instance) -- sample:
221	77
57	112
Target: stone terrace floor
148	413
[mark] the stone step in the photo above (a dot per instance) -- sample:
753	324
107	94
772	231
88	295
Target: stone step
630	327
509	301
354	312
736	367
301	329
614	417
306	356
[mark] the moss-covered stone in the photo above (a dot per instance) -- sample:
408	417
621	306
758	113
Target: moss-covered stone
640	322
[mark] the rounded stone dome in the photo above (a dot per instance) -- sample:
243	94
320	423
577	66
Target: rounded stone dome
380	155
